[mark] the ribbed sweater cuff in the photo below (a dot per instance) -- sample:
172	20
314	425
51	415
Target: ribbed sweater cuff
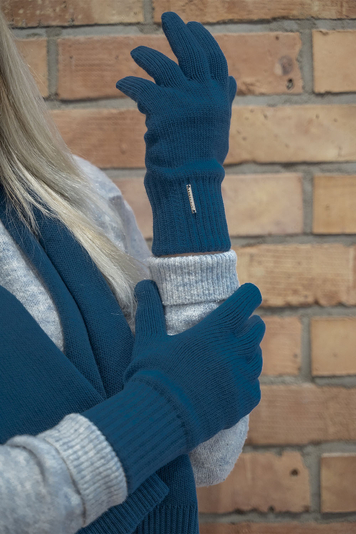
143	428
193	279
176	229
93	464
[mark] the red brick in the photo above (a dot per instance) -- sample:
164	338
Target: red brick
27	13
281	346
338	489
262	63
34	52
253	208
333	342
250	201
260	481
333	54
212	11
106	137
278	528
302	414
334	204
299	275
298	133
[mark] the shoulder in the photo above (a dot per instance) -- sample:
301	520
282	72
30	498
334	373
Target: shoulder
103	184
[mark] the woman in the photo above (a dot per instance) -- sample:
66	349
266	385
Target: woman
102	430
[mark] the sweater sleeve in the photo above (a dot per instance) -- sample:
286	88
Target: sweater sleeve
190	288
58	481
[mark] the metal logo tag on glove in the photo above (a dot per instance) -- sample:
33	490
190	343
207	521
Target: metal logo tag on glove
191	199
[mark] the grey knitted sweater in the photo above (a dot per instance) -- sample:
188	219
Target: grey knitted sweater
64	478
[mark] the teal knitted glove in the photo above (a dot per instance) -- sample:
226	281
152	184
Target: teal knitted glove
188	114
181	390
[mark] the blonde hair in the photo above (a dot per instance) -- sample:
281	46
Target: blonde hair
36	164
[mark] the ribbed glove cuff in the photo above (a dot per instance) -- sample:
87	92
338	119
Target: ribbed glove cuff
176	229
143	428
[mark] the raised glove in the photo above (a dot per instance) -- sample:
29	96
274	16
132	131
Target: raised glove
188	114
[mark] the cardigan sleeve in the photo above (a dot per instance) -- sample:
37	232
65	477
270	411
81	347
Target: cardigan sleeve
58	481
190	288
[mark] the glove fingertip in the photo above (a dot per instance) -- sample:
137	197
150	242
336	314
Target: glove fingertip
253	292
232	88
145	287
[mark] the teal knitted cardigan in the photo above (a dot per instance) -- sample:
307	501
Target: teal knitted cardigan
98	348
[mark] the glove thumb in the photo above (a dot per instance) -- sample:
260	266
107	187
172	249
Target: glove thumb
233	313
232	88
149	319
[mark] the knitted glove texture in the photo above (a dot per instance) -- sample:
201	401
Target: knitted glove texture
188	114
208	373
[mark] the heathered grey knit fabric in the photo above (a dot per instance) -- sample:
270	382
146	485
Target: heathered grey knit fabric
66	477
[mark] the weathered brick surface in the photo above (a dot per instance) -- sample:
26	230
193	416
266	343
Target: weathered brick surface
27	13
258	133
334	204
278	528
106	137
337	476
253	208
251	204
299	275
333	54
262	63
300	414
34	52
333	342
212	11
292	133
260	481
281	345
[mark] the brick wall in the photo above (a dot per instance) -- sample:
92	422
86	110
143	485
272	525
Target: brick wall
290	199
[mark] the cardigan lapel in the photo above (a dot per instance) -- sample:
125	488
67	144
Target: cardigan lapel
98	342
38	387
98	339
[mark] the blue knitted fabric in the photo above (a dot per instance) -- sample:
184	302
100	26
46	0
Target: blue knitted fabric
215	383
188	114
39	384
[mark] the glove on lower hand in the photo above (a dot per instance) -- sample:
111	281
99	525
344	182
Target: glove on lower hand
181	390
208	373
188	114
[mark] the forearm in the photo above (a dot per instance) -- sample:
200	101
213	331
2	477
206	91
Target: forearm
60	480
191	288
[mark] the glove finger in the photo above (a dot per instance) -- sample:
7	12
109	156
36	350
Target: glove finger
232	88
191	57
255	364
149	319
257	394
234	312
163	70
253	331
217	60
142	91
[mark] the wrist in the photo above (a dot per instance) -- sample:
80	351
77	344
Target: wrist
92	463
190	254
188	223
142	427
